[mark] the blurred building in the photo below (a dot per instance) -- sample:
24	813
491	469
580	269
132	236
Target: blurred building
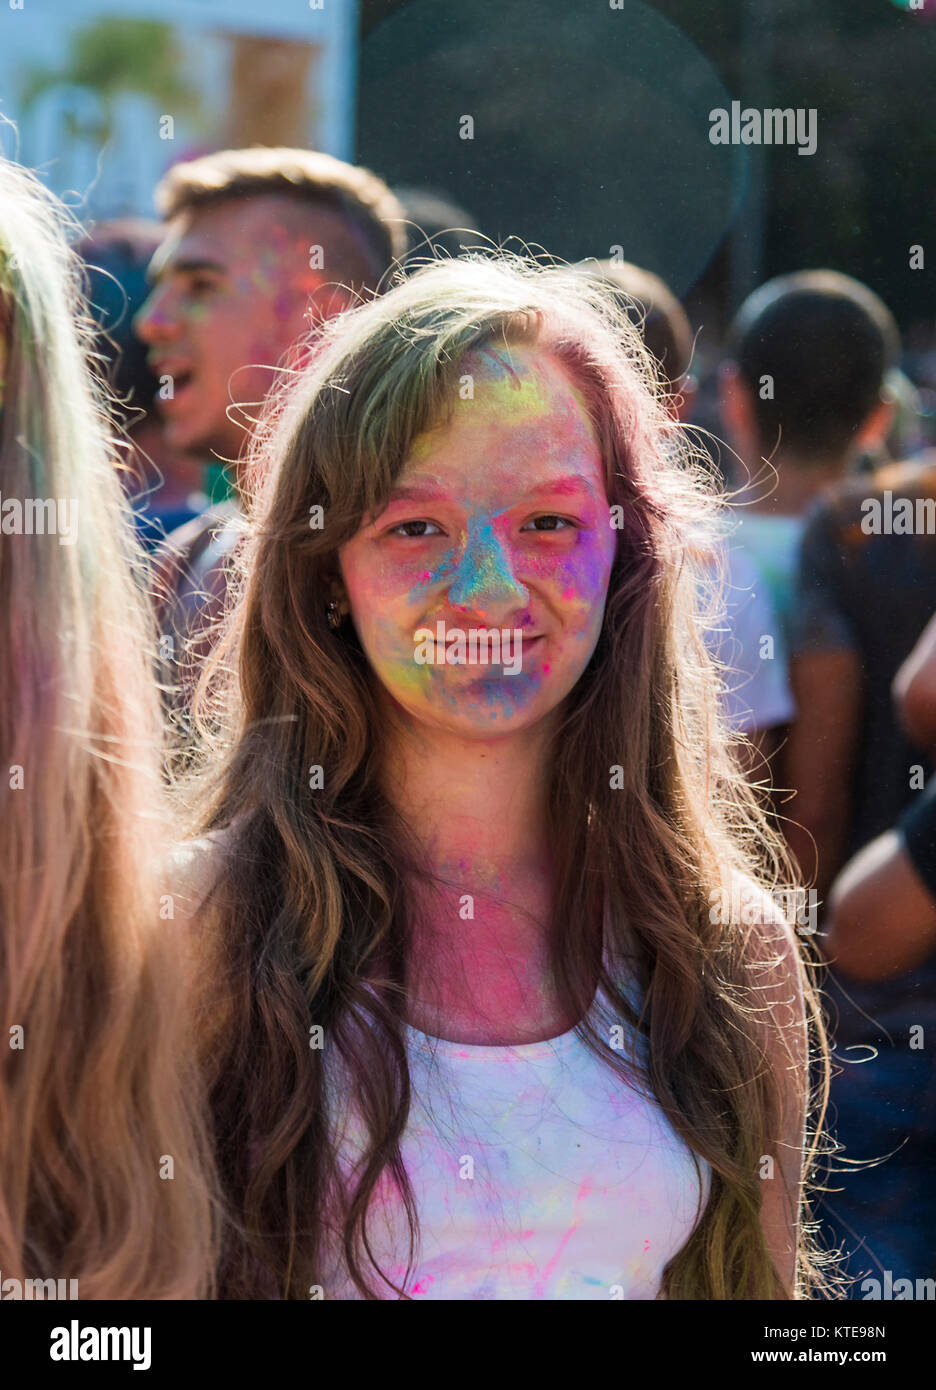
109	94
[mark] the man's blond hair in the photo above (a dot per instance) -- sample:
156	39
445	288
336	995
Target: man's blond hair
372	212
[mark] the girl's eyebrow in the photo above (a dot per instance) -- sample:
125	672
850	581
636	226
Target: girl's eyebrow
417	492
425	492
573	482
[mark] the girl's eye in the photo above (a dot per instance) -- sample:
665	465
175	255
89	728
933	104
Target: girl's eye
550	523
404	528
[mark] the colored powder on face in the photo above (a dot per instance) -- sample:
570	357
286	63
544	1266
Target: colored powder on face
430	577
409	676
284	306
506	392
484	569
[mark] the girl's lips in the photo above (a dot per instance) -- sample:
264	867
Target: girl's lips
523	639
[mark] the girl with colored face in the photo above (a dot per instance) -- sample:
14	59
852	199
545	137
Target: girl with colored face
498	521
472	992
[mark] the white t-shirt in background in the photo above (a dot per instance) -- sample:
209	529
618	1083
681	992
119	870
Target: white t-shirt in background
758	693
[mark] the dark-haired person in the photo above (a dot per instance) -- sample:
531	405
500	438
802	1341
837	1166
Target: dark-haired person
802	394
864	595
501	1009
434	224
880	937
757	697
165	483
262	245
661	320
801	387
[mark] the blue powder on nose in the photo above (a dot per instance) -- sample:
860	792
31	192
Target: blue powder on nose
482	569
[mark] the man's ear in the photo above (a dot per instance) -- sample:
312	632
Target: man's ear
875	429
737	407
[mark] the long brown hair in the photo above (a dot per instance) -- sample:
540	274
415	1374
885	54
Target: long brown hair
650	817
105	1165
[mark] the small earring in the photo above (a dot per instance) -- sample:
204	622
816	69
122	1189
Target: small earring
333	614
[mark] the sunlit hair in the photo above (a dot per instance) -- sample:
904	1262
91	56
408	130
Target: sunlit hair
98	1097
650	303
310	905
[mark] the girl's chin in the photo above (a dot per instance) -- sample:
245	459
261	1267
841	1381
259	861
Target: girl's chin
481	709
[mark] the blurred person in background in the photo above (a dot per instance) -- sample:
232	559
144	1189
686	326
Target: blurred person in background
864	594
801	393
880	937
165	484
261	247
757	696
802	390
434	225
93	976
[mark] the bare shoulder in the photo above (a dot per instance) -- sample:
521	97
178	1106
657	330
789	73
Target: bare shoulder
193	869
765	916
774	959
777	996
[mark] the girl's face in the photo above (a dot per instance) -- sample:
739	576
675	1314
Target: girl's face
478	593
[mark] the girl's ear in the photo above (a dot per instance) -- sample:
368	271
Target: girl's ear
334	588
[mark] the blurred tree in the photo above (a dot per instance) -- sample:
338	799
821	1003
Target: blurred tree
117	55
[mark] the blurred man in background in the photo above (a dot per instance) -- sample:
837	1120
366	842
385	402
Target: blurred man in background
802	387
165	483
261	247
758	700
864	595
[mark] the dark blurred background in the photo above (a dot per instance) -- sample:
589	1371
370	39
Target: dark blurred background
591	130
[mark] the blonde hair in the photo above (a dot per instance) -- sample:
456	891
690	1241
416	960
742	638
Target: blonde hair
98	1108
364	201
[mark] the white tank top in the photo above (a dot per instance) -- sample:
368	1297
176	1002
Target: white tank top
537	1174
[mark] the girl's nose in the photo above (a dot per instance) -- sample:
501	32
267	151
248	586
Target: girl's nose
485	584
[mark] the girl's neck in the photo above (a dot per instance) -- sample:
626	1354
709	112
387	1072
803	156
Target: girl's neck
481	896
475	807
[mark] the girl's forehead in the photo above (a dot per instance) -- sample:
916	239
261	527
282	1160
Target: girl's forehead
515	405
518	379
496	480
